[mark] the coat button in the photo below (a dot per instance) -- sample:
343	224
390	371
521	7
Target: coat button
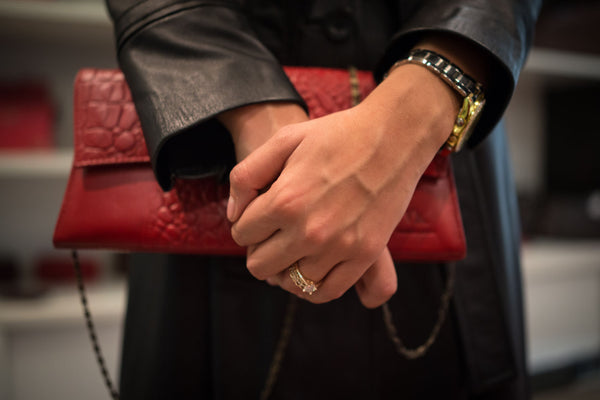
339	25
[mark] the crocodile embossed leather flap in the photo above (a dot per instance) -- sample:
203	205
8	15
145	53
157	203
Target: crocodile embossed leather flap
113	201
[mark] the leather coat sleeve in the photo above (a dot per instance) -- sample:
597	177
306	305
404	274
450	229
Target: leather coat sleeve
502	28
187	61
210	44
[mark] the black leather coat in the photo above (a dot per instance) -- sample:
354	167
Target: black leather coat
187	61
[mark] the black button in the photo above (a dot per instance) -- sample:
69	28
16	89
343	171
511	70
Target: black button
339	25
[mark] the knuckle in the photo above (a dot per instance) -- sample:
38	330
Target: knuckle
348	241
388	289
375	298
371	247
237	236
238	174
255	269
287	204
286	133
367	302
370	302
315	234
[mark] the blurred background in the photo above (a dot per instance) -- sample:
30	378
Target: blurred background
553	125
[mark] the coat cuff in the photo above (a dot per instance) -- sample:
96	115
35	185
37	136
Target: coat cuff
184	69
479	26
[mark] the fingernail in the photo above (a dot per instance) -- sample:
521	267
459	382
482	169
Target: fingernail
231	208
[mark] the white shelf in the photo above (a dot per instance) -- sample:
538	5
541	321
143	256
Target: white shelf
85	23
561	259
562	296
563	64
62	306
79	12
90	20
35	163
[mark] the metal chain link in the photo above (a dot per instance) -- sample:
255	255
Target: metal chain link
446	296
420	351
286	331
91	329
284	339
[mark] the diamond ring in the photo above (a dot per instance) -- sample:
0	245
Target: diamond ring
306	285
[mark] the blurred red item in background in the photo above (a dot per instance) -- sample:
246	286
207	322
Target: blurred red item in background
57	269
26	116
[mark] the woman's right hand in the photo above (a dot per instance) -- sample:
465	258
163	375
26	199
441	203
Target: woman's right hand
250	127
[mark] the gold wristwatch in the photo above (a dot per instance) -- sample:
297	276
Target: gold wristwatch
469	89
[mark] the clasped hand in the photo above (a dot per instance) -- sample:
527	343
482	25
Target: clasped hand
329	192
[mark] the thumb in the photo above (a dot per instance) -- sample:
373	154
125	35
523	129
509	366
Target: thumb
258	170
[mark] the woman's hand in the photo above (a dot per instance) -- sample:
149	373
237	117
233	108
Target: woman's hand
338	186
251	126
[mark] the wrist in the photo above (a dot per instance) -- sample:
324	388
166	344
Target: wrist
470	90
252	125
418	105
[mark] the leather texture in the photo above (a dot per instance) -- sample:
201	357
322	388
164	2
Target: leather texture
175	51
113	201
178	55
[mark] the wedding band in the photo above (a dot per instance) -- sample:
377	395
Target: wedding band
306	285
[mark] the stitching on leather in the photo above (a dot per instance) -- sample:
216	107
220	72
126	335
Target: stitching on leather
125	33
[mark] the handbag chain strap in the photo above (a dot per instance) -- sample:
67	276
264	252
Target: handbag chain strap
420	351
282	343
285	334
392	332
408	353
114	394
286	329
448	292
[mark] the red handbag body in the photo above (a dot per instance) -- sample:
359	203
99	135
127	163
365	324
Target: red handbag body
113	201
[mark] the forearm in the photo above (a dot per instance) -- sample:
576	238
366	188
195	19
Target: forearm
192	62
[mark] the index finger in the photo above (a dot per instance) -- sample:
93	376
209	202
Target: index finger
259	170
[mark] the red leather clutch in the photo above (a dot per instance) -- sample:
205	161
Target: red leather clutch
112	200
